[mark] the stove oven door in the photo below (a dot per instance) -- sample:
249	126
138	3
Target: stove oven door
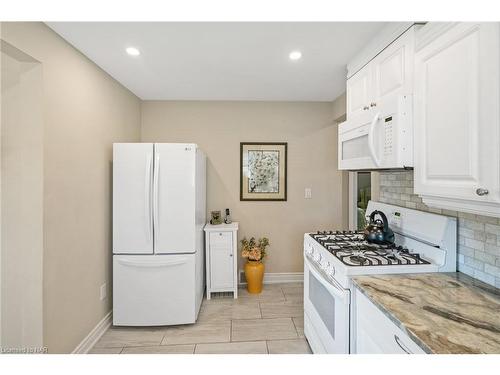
326	311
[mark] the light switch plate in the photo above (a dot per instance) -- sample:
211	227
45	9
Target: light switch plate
308	193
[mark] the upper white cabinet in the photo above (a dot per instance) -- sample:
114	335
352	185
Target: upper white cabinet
392	71
456	116
358	92
384	78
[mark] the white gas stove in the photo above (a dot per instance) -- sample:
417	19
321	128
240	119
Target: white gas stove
424	242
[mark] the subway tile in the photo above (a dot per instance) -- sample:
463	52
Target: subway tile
466	232
471	224
467	215
484	277
492	228
492	249
492	270
484	257
491	238
450	213
480	236
467	251
462	267
475	244
412	205
487	219
474	263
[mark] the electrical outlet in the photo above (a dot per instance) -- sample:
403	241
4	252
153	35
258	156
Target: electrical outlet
102	291
308	193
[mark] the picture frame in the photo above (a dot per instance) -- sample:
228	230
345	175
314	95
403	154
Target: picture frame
263	171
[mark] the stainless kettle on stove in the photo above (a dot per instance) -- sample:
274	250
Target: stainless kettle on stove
378	231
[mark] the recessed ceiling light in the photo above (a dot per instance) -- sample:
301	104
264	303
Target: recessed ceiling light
132	51
295	55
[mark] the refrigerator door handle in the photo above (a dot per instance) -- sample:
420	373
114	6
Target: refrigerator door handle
147	193
155	197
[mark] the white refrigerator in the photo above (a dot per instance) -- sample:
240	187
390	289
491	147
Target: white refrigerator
159	211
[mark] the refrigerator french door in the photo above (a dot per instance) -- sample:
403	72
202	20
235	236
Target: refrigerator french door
158	217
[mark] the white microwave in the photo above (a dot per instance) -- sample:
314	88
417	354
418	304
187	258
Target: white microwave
380	138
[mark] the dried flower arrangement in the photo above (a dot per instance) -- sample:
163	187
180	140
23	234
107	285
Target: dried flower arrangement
254	250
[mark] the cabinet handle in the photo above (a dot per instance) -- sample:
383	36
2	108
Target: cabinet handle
482	191
220	234
401	345
231	255
373	104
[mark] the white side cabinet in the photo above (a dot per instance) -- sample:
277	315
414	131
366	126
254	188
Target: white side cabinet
221	259
375	333
456	116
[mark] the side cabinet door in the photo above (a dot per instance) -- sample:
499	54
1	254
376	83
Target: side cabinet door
457	114
221	260
132	206
393	71
358	91
175	176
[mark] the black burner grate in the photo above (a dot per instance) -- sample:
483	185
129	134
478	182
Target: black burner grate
352	249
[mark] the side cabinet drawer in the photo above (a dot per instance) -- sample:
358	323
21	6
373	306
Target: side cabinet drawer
221	239
377	334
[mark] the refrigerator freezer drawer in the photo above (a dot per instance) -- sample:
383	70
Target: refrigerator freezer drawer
150	290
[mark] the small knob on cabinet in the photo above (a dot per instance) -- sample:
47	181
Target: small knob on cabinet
482	191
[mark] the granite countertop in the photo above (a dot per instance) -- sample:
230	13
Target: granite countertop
441	312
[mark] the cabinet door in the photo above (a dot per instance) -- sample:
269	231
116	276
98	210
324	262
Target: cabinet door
392	71
375	333
457	114
132	195
221	261
358	90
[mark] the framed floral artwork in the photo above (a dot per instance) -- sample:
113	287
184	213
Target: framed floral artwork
263	171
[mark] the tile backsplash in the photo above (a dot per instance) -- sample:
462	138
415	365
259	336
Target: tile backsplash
478	236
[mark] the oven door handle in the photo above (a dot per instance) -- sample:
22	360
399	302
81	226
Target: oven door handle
334	289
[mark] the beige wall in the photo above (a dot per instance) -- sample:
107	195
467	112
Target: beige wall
85	111
21	200
219	127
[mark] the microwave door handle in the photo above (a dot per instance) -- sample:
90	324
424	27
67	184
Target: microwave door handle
371	145
332	288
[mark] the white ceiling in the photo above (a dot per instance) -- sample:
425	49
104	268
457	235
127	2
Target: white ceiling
223	61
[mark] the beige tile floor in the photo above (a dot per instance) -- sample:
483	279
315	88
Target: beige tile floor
268	323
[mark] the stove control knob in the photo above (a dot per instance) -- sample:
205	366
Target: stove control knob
330	270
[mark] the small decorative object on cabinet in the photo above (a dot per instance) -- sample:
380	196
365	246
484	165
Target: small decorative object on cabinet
227	219
215	218
221	262
254	251
263	171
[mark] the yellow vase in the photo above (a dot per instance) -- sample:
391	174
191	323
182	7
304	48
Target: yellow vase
254	273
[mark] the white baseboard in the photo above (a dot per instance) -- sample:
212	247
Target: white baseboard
277	277
89	341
